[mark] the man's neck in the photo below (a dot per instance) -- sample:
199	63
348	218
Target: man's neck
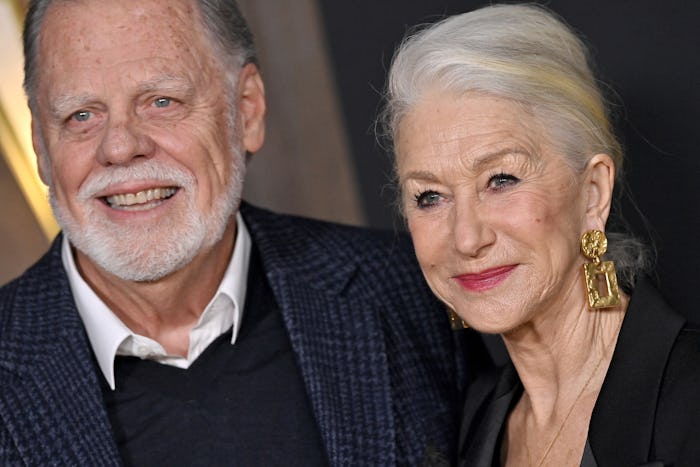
167	309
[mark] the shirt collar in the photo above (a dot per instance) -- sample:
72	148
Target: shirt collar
106	332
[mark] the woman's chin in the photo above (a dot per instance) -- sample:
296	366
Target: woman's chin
489	319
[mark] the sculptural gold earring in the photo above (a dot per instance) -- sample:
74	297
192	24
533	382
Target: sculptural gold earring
456	323
599	277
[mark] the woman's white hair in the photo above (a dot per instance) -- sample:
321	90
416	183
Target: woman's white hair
526	54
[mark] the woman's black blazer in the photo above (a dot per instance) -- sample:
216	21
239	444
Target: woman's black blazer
648	410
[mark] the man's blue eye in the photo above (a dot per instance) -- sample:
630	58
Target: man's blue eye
162	102
82	115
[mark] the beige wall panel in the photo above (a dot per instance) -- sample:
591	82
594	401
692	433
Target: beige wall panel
21	239
305	166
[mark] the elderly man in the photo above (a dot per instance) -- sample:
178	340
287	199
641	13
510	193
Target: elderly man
172	325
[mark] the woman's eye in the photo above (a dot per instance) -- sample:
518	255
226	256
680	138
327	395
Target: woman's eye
81	115
427	199
162	102
502	180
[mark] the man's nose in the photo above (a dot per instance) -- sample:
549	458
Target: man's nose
124	140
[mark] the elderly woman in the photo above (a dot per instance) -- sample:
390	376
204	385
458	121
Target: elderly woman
506	162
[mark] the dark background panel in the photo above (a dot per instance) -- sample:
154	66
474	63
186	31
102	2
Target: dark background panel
362	36
646	50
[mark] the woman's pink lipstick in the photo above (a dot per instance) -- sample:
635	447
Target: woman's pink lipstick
485	280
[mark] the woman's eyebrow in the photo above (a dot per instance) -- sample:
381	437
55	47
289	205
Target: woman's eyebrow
489	158
423	175
477	165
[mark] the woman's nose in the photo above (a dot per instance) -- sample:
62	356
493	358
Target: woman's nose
472	231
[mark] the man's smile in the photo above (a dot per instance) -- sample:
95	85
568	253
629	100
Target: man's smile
142	200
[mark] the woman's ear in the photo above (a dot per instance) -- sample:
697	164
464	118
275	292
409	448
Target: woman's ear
251	107
599	181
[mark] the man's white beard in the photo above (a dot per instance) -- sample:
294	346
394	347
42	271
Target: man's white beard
153	250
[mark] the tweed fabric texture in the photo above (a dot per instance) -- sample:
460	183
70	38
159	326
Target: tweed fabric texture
378	360
51	410
374	345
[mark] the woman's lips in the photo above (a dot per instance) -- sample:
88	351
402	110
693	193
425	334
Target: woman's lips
485	280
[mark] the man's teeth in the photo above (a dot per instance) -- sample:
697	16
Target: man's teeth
142	197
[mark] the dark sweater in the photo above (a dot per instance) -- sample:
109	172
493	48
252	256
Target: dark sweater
242	404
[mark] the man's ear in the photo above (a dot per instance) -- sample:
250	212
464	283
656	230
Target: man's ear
42	158
599	181
251	107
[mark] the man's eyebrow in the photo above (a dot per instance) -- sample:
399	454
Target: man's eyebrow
165	83
65	103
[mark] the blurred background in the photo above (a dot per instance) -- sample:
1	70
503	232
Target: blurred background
324	64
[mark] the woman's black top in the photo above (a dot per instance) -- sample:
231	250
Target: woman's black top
648	409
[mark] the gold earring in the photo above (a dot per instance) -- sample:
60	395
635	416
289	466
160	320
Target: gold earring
599	277
456	323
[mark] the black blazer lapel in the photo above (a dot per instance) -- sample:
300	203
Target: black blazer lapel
488	403
622	424
336	335
50	400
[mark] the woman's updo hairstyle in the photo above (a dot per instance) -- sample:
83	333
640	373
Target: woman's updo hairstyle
524	53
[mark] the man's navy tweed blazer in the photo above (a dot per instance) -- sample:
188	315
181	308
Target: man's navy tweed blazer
377	357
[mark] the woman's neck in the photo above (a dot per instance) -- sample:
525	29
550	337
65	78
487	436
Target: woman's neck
555	355
562	361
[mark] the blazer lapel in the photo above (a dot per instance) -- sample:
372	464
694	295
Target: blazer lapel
50	400
479	444
621	428
336	335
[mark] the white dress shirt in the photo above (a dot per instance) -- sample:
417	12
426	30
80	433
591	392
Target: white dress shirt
110	337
